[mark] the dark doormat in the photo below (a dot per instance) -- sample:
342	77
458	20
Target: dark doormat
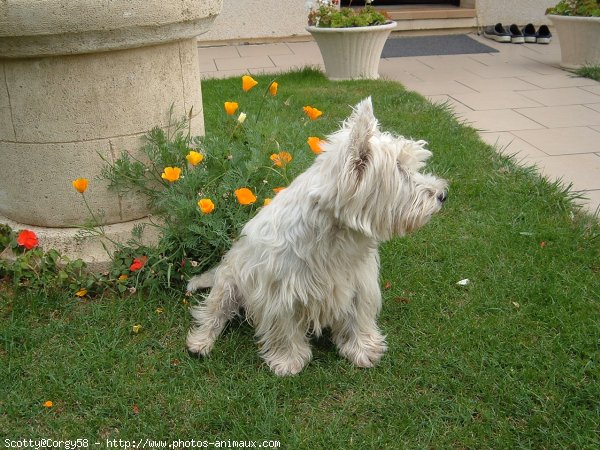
452	44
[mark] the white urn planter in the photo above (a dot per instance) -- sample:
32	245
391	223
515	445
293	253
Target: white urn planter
352	53
579	39
82	81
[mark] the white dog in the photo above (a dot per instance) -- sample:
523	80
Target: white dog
309	259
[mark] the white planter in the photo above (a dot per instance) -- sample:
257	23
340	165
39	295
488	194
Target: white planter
352	53
579	39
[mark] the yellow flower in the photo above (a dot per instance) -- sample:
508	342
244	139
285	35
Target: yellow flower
80	184
160	310
123	277
315	144
267	201
171	174
281	159
206	205
273	88
48	404
81	292
136	328
248	83
312	113
194	158
245	196
231	108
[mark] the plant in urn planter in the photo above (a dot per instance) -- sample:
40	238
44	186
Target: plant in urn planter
577	24
350	40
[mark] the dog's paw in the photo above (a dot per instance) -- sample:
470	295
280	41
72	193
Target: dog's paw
287	368
203	281
364	354
284	364
199	343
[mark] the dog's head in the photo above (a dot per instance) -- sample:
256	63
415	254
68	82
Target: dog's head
379	190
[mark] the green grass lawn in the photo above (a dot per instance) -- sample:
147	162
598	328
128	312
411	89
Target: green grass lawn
509	361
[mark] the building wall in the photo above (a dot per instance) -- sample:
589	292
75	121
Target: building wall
258	19
490	12
277	19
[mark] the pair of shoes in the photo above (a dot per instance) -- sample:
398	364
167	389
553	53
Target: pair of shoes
500	34
541	36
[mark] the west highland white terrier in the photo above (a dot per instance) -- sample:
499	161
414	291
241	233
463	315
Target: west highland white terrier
309	260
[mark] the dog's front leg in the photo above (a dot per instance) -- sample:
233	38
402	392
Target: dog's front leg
356	334
284	344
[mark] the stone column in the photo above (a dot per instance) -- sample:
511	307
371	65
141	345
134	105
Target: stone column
82	81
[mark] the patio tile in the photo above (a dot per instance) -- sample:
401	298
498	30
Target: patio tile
245	62
395	74
499	120
223	51
223	74
495	100
561	96
437	88
494	84
506	70
264	49
561	141
562	116
508	144
207	65
295	61
594	106
559	80
593	88
406	64
582	170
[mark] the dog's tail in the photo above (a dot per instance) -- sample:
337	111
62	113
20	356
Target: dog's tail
211	316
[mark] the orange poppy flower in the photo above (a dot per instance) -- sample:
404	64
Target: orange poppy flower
277	190
194	158
312	113
281	159
171	174
245	196
48	404
231	108
80	184
273	88
248	83
206	205
81	292
315	144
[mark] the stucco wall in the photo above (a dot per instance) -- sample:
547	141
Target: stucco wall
258	19
490	12
272	19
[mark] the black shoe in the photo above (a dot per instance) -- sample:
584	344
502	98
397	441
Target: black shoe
497	33
543	35
529	33
516	37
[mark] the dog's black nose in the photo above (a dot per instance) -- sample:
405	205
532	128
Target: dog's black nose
442	197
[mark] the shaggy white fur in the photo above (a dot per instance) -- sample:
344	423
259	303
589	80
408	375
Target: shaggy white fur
309	259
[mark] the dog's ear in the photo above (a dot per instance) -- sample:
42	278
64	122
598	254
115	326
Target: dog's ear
362	125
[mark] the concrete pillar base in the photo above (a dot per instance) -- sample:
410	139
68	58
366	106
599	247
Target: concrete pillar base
75	243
